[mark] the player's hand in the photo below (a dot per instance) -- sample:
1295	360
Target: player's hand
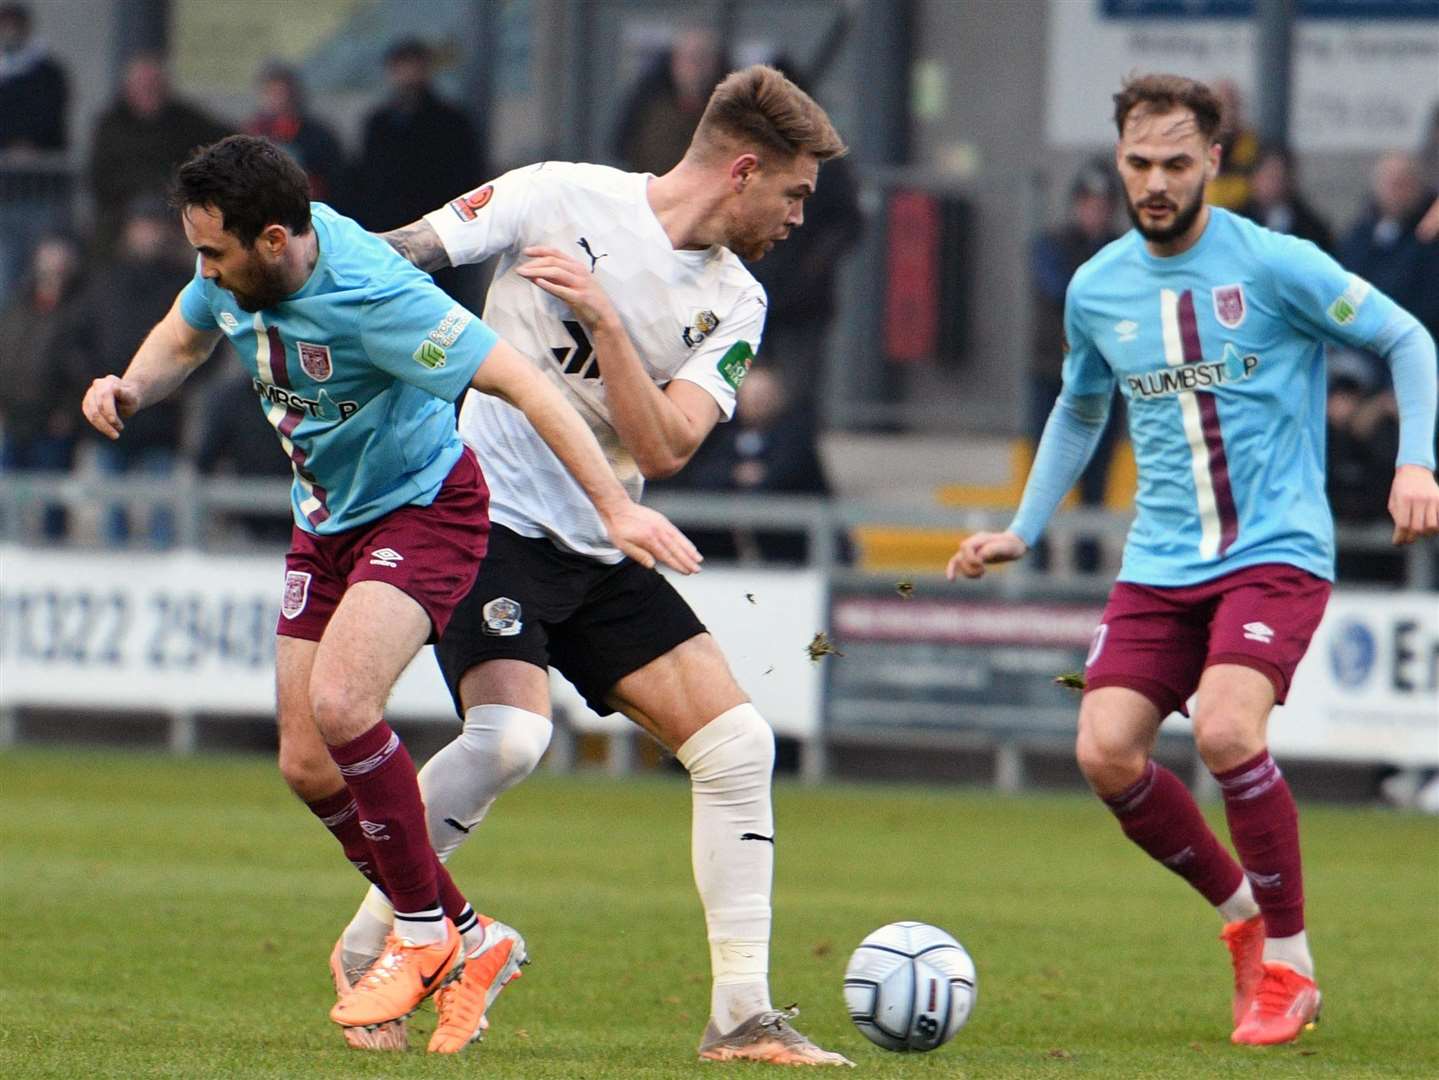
109	402
559	274
647	537
1414	503
984	549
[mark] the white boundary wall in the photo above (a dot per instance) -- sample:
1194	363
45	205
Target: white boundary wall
194	633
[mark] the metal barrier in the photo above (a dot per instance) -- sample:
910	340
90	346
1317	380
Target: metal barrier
199	503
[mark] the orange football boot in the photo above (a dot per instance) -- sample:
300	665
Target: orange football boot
391	1036
403	976
1285	1004
464	1003
1245	939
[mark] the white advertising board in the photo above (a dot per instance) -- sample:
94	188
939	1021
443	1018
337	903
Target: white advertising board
1362	85
192	632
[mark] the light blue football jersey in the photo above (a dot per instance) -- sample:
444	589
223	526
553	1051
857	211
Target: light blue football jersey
1219	354
357	372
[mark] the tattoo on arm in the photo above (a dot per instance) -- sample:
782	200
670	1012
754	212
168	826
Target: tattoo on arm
420	244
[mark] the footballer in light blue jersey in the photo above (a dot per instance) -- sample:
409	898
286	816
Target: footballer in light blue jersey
357	372
1219	353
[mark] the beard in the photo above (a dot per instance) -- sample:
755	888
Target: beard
266	288
1184	218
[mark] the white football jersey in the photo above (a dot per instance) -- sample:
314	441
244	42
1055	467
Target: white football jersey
693	315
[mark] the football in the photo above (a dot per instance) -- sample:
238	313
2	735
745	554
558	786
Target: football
910	986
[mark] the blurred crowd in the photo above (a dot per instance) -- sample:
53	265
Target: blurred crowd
75	303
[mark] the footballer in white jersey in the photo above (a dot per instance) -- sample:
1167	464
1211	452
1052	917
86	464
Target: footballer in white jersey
628	290
692	315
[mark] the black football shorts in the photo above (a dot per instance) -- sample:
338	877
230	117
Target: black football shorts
594	622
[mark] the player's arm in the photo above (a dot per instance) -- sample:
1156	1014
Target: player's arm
1069	440
639	532
419	243
662	428
1344	308
165	359
470	227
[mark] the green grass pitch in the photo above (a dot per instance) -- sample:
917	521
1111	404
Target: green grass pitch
172	918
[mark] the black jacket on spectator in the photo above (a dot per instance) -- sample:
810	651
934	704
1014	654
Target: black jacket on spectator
106	323
414	161
1400	265
1304	222
135	156
32	102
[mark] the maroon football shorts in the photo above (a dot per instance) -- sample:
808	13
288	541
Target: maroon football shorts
430	553
1158	641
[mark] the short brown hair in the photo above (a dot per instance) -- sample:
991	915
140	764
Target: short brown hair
757	106
1160	93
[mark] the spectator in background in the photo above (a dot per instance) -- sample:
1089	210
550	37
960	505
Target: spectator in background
1383	246
664	106
34	196
1240	145
33	89
418	150
237	440
1361	443
769	448
1275	201
1054	257
38	396
282	118
137	144
799	276
105	325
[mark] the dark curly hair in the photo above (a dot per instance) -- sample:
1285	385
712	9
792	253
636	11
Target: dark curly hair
250	181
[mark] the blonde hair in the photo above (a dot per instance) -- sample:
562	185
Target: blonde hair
757	107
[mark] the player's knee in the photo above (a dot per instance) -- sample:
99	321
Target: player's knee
513	740
1225	738
309	771
339	712
737	745
1109	764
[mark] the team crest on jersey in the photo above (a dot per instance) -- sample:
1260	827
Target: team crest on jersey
700	327
467	206
297	593
502	617
315	360
1228	305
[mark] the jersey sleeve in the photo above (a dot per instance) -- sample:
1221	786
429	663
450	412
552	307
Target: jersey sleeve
489	219
420	336
720	362
195	304
1086	372
1325	300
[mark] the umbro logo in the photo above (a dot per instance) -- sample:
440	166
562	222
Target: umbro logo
594	259
386	557
1127	329
1258	631
375	830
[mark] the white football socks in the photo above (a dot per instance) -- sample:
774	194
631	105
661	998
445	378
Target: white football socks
1292	951
499	746
1241	905
730	761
